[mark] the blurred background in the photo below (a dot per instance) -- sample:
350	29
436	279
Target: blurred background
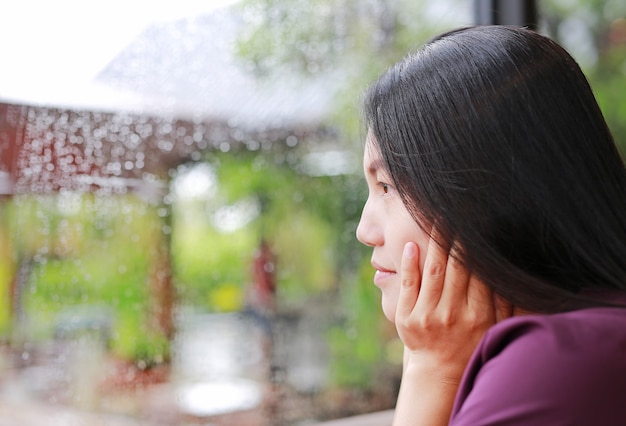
180	186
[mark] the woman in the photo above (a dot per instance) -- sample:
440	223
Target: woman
497	217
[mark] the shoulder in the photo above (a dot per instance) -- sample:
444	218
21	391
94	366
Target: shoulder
540	368
578	333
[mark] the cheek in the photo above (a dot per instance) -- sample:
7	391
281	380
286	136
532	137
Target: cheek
412	232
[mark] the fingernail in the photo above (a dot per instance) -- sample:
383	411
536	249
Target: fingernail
409	250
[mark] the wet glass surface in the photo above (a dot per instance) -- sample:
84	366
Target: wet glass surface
177	223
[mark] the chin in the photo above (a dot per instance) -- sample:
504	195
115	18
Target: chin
389	311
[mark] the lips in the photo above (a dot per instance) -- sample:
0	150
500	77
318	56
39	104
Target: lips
382	274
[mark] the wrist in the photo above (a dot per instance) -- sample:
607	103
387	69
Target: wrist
427	389
433	371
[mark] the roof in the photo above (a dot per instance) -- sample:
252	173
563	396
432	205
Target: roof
185	67
191	66
189	92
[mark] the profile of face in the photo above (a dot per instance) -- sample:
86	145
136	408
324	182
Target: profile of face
386	225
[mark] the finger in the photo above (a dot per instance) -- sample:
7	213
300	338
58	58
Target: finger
433	275
410	281
456	283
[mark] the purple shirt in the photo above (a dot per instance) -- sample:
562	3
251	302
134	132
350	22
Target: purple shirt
560	369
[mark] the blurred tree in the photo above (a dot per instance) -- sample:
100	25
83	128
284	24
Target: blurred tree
6	268
594	32
362	38
87	267
303	218
357	39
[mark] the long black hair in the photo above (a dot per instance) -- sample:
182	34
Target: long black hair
493	134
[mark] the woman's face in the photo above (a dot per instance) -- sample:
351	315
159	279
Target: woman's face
386	226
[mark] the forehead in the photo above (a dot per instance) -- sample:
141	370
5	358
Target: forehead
370	141
372	161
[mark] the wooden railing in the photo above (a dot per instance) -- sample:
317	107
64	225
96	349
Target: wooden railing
381	418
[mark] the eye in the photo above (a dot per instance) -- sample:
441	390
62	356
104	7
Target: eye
385	187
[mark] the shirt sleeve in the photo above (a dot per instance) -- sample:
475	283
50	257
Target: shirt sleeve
547	370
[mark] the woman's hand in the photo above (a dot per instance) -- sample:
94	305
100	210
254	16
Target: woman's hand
441	316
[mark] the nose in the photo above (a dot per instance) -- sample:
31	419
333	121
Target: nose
368	231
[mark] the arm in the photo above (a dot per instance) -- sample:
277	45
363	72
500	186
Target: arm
441	317
425	398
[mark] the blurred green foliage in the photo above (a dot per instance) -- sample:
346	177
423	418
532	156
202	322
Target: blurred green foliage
594	32
6	271
358	342
304	219
85	257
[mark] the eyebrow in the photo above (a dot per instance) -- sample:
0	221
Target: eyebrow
375	166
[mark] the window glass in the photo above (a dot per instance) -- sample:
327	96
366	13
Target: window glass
180	186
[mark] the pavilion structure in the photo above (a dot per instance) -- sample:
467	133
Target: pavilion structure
45	150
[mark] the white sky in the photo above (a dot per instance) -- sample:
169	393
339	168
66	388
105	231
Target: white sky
51	50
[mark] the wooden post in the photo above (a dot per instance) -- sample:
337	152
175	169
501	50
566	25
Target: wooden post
522	13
